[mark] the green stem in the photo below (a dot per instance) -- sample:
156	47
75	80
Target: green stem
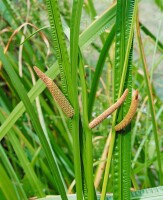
107	169
88	134
74	42
99	68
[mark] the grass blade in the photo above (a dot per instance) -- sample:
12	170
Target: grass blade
106	20
149	33
88	35
87	135
74	40
99	68
13	176
20	108
59	43
6	186
119	92
44	141
151	101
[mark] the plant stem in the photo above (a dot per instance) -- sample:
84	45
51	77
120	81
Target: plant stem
88	135
74	42
128	47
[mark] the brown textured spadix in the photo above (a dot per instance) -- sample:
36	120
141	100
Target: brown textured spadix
109	111
131	112
56	93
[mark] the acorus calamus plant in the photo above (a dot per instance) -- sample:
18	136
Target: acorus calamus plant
59	158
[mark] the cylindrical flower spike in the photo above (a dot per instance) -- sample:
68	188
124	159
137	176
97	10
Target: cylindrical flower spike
56	93
109	111
131	112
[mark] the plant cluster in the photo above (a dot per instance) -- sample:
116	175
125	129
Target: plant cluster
68	99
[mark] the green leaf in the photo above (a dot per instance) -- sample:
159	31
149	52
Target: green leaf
150	34
35	184
99	68
151	193
18	187
34	119
34	33
91	33
106	20
151	101
126	13
6	185
159	3
59	44
74	42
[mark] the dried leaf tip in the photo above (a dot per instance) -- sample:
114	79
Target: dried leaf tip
56	93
